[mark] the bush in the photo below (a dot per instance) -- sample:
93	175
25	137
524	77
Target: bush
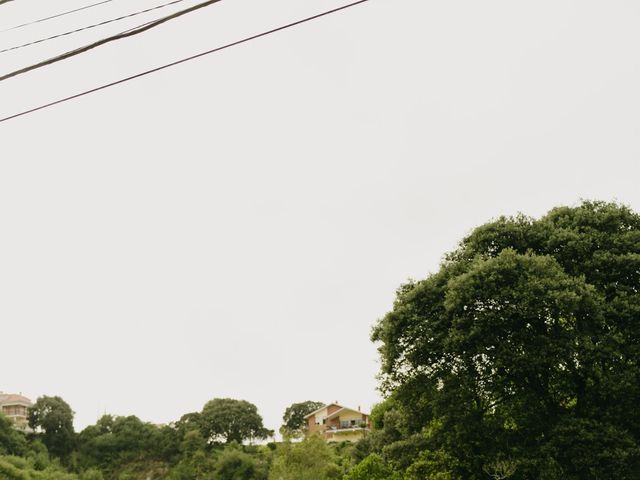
372	468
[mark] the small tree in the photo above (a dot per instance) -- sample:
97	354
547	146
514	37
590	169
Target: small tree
54	417
293	418
228	420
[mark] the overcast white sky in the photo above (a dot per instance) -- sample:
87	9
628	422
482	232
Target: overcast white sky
234	227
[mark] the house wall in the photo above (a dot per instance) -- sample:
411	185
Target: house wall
315	422
17	413
352	436
334	422
348	416
10	410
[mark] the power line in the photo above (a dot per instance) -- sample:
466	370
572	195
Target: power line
57	15
119	36
183	60
105	22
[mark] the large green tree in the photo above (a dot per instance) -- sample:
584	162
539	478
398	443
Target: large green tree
523	350
229	420
54	418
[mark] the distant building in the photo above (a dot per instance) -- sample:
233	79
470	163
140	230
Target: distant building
16	408
338	424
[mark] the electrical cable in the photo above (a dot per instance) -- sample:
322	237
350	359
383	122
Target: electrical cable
119	36
88	27
183	60
57	15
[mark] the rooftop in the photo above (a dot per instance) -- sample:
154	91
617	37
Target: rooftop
14	399
341	409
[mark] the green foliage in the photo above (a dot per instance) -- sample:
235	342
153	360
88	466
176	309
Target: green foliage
196	462
432	465
311	459
228	420
189	422
126	448
590	449
142	469
519	359
372	468
38	455
192	442
92	474
8	471
11	441
234	464
17	468
195	465
54	416
390	428
117	441
294	422
524	346
167	443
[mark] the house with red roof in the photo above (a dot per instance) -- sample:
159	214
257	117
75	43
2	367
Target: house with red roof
337	423
16	407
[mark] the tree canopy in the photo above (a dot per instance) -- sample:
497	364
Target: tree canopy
293	418
523	350
55	418
229	420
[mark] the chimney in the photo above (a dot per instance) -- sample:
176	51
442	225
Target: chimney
358	407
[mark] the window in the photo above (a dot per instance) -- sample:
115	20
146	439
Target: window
15	410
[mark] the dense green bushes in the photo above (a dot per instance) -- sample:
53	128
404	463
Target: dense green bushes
18	468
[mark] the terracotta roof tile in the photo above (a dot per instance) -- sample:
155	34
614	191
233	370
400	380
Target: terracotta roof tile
10	399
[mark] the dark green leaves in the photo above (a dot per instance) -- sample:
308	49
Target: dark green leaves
529	330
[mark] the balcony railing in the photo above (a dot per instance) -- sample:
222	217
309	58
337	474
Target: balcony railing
10	412
347	426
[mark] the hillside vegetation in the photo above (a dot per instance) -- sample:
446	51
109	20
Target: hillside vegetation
519	358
